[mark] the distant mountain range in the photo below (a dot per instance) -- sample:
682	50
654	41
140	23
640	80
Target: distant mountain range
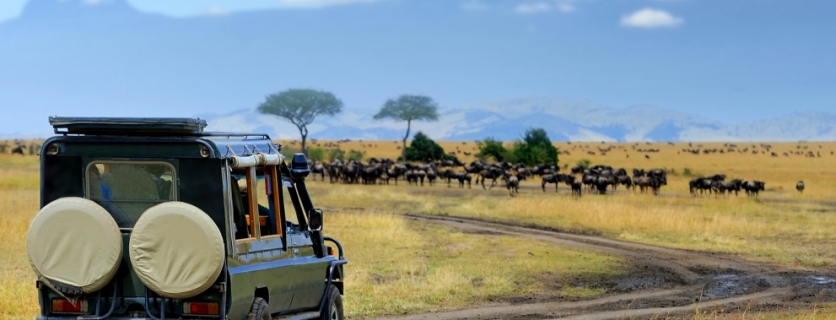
563	119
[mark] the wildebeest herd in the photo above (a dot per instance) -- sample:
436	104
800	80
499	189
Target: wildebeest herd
20	147
596	179
718	185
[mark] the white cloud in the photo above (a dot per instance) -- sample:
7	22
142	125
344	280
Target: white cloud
474	5
216	10
650	18
535	7
318	3
565	7
95	2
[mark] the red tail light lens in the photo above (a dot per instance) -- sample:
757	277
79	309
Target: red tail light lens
64	306
330	251
200	307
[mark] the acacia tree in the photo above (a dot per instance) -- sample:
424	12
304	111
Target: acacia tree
408	108
301	107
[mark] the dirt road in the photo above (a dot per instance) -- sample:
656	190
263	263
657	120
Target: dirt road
667	282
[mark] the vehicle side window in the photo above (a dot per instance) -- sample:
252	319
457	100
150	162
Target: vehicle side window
255	194
292	219
127	189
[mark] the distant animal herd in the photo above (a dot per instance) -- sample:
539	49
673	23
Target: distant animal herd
598	179
19	147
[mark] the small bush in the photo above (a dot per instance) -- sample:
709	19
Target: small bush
585	163
288	152
422	148
335	154
317	154
355	155
491	149
687	172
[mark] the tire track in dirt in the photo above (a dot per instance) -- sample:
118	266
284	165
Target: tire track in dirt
711	280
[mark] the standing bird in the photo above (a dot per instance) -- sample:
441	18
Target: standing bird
800	186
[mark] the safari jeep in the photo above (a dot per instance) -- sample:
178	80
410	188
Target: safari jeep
153	218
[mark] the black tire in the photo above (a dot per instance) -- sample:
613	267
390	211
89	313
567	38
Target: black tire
260	310
333	306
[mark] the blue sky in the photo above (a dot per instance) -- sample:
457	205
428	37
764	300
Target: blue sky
729	61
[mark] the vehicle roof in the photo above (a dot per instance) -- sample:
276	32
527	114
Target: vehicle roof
228	144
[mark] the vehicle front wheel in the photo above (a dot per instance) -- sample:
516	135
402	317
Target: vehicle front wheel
333	306
260	310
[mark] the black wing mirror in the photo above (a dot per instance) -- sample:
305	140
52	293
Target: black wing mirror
315	219
299	166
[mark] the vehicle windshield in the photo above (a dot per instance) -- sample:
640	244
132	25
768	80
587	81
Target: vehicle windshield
127	189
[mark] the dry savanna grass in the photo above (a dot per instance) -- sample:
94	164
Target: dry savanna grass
19	195
399	266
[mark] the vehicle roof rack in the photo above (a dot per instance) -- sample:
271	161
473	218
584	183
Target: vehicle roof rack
127	126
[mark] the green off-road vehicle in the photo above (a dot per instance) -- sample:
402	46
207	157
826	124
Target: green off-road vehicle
153	218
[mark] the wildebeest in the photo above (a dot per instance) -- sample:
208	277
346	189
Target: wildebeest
317	168
512	183
723	186
18	150
651	183
799	186
334	169
431	176
461	176
414	176
601	182
752	187
622	179
555	178
492	173
576	188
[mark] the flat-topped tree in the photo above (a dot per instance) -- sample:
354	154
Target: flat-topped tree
301	107
408	108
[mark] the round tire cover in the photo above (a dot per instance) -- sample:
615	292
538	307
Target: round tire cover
176	250
76	242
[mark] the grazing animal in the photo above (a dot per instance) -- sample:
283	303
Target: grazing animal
555	178
800	186
431	176
752	187
576	188
18	150
318	168
490	173
512	183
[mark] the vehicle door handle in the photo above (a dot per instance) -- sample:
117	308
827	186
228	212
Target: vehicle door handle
295	252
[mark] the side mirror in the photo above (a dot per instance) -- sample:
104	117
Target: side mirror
299	166
315	219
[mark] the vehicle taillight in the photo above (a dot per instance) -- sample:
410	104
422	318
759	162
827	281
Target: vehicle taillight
64	306
330	251
200	307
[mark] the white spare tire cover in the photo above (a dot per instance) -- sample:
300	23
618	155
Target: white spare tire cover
76	242
176	250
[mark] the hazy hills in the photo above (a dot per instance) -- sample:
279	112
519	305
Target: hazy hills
563	119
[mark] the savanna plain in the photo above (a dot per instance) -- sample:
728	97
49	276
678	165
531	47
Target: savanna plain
403	262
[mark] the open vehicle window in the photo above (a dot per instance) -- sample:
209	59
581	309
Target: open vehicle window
254	194
127	188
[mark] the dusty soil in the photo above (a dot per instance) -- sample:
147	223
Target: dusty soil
663	282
